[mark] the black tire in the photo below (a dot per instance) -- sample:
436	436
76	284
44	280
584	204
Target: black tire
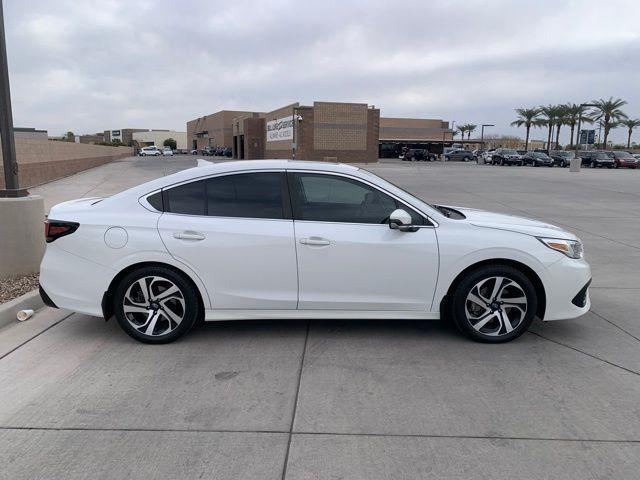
191	311
457	303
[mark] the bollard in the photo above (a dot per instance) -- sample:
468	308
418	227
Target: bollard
575	164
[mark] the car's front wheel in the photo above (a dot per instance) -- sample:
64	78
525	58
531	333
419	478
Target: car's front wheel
155	305
494	304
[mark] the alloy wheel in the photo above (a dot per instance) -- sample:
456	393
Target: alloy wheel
496	306
154	306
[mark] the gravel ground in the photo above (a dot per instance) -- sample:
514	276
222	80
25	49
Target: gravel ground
13	287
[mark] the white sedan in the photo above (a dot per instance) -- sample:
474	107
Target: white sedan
306	240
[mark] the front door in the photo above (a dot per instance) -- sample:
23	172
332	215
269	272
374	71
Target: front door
349	258
235	232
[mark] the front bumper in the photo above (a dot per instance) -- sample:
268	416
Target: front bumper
567	289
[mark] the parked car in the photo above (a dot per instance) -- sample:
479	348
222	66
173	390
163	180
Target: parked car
194	151
537	159
486	156
150	151
595	158
166	151
418	154
208	150
227	152
459	154
506	156
477	152
623	159
636	156
218	242
562	158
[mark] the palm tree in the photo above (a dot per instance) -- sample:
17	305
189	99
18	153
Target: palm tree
630	123
549	116
527	117
470	129
561	119
462	129
609	113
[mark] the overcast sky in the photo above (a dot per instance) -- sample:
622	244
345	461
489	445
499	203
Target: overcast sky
88	66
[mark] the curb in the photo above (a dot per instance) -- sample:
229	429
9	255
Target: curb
9	309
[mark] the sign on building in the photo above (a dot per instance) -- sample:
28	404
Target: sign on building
280	129
587	137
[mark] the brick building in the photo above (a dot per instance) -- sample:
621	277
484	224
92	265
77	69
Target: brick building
324	131
215	130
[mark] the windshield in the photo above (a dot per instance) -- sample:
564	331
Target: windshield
540	155
509	151
602	156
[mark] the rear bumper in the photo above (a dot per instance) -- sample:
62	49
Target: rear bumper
73	283
45	298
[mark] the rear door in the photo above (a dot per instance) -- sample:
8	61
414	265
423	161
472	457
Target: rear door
236	232
348	257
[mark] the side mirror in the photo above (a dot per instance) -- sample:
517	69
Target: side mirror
401	220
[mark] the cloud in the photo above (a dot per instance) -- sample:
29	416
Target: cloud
88	66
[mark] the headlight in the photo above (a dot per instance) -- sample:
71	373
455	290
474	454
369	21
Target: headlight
571	248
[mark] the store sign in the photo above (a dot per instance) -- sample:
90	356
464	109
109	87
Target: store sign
115	133
280	129
587	137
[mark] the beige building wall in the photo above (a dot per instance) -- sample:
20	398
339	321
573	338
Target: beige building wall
157	138
42	160
215	130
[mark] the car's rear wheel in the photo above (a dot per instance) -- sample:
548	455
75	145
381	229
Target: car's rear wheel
155	305
494	304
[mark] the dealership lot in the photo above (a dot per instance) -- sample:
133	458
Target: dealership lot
346	399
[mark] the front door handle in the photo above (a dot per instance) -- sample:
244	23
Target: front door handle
188	236
315	241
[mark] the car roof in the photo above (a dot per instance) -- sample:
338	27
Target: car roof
210	168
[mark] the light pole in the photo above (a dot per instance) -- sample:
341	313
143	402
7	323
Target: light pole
11	189
482	132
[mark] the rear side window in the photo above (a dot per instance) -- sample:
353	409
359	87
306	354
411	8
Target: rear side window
155	201
186	199
249	195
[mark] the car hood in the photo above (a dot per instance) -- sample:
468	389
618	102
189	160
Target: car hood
512	223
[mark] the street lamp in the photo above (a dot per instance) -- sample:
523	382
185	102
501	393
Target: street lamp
11	184
482	132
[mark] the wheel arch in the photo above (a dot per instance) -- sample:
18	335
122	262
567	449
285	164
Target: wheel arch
525	269
107	298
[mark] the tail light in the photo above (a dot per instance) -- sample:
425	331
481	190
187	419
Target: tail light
54	229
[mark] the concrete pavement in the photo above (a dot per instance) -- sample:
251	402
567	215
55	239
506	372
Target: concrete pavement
346	399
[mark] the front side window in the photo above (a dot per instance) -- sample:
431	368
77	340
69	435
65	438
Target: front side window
329	198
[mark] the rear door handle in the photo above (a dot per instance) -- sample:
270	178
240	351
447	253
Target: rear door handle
188	236
315	241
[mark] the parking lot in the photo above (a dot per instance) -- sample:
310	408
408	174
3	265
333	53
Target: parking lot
346	399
